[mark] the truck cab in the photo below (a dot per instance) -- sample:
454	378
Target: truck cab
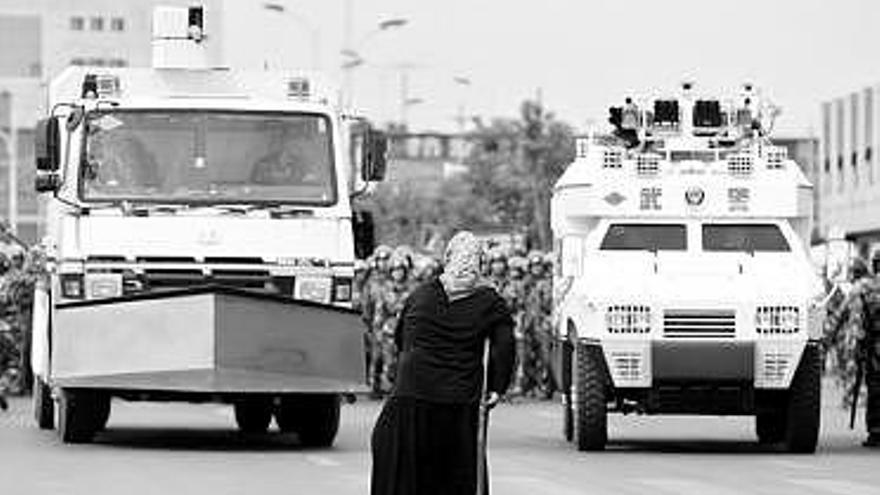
685	284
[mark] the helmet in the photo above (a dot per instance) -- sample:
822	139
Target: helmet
517	263
400	260
405	252
382	252
549	259
536	258
496	254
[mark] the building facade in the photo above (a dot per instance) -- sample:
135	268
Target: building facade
38	39
849	172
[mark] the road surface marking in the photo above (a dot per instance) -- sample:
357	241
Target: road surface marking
680	486
836	487
322	461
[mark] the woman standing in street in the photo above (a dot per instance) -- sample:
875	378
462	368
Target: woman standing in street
425	440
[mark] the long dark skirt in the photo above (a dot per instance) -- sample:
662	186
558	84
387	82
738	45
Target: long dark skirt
425	448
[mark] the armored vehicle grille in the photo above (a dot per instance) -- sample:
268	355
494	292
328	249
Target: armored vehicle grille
699	324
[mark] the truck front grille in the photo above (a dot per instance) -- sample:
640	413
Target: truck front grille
699	324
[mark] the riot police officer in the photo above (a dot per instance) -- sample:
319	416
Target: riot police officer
538	332
370	294
855	333
496	261
388	308
515	295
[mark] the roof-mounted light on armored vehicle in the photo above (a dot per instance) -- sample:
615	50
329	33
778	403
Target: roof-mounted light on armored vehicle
299	88
666	113
100	86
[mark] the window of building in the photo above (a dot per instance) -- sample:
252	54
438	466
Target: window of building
77	23
117	24
77	61
95	62
96	24
117	62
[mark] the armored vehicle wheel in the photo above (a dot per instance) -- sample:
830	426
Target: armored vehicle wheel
591	404
44	408
770	426
253	415
81	414
804	403
314	418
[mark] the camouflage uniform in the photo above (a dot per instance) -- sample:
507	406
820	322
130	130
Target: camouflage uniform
371	293
387	311
539	306
853	334
11	340
515	295
497	269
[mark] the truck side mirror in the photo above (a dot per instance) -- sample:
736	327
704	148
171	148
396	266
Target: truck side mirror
47	139
374	156
364	233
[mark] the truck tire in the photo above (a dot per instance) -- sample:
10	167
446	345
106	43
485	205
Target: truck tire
44	408
591	403
770	427
81	414
253	415
566	382
804	403
314	418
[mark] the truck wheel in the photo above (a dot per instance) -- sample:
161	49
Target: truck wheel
591	404
81	414
314	418
44	408
804	403
770	427
565	380
253	415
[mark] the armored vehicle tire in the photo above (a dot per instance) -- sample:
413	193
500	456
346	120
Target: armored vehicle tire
770	426
44	408
804	403
81	413
313	417
253	415
591	404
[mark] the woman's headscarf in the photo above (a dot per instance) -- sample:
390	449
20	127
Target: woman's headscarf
462	273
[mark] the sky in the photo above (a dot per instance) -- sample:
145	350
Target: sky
582	56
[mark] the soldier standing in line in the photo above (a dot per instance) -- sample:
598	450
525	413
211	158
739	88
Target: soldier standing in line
497	268
388	308
515	295
539	305
372	292
855	335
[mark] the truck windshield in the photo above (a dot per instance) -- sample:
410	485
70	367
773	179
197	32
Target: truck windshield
744	237
645	237
208	157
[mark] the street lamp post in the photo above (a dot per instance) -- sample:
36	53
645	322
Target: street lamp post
465	84
314	34
10	139
353	51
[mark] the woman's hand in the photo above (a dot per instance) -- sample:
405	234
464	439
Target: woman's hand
492	400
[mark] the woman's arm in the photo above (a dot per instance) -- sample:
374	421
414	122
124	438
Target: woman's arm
502	348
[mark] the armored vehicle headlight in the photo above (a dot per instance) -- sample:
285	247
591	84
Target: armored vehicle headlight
628	318
777	320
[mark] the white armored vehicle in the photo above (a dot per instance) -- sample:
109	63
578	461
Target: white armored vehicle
685	284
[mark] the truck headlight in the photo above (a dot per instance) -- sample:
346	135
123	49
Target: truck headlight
628	318
72	286
313	288
777	320
103	285
341	289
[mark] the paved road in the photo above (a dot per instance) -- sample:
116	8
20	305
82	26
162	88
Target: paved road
177	448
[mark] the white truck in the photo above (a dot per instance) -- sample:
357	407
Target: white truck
199	235
685	284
